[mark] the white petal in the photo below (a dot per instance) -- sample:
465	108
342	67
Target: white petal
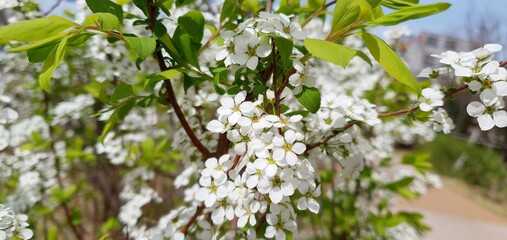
278	154
252	63
271	170
270	232
252	181
216	126
475	85
486	122
488	97
475	109
298	148
280	235
313	205
202	194
211	163
227	101
290	136
291	158
302	205
218	216
276	195
500	88
493	47
234	117
210	200
242	221
500	118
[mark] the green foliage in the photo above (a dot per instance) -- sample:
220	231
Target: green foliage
409	13
475	164
331	52
106	6
284	47
122	91
228	10
142	46
345	13
310	98
390	61
105	21
54	59
35	29
188	35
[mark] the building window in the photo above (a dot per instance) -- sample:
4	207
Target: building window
432	41
450	44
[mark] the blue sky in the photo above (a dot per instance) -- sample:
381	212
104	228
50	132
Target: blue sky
450	22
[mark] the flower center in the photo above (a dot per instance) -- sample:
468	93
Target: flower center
213	188
231	48
251	51
490	110
235	108
287	147
277	182
271	160
487	84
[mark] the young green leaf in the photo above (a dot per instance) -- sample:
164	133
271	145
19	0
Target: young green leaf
35	29
331	52
106	6
408	13
309	98
106	21
284	47
54	59
168	74
345	13
193	24
37	55
143	47
390	61
122	91
228	9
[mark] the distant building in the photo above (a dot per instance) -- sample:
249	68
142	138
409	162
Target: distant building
416	51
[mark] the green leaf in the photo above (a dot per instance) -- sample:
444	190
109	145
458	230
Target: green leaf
54	59
154	78
122	91
106	6
125	108
143	47
309	98
142	5
408	13
193	24
185	44
284	47
331	52
390	61
228	9
37	55
42	43
109	125
345	13
105	21
397	4
35	29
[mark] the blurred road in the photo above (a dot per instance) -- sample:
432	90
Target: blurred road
453	215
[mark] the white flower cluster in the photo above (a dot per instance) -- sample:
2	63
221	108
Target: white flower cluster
265	171
8	4
12	225
72	109
248	42
7	114
431	99
481	74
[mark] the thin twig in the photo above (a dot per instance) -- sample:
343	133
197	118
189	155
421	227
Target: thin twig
171	96
53	8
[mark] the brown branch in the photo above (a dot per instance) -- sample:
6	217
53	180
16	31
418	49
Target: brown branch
171	96
192	220
317	12
503	63
269	5
326	139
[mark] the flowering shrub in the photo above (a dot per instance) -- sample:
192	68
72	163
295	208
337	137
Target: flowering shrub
275	117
